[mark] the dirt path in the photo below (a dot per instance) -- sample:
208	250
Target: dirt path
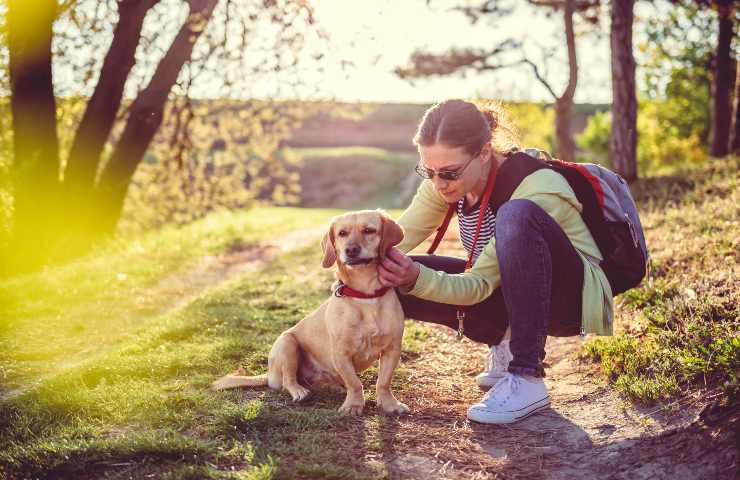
589	431
239	258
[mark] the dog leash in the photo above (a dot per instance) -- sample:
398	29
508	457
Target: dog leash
460	313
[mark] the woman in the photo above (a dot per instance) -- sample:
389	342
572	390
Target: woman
536	266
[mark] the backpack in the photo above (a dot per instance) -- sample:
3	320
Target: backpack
609	210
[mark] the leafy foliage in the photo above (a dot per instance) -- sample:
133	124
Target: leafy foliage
231	160
681	37
595	137
663	144
535	124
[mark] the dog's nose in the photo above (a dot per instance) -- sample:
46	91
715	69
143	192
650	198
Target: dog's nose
352	251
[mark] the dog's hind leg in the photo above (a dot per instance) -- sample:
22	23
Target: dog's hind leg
284	358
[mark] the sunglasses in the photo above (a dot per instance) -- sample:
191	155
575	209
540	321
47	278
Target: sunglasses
449	175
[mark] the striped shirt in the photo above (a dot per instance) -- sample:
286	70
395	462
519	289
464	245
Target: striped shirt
467	222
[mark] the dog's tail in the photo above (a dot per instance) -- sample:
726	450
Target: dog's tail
239	379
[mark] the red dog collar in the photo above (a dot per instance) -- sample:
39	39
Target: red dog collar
343	290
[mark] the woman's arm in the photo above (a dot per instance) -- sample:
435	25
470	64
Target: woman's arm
548	190
422	217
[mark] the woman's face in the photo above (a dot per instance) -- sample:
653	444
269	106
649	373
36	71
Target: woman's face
454	159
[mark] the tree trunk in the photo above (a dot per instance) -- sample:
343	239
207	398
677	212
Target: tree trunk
721	108
735	137
146	116
566	145
723	79
624	102
35	143
100	113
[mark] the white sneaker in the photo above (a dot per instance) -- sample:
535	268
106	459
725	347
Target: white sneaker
497	365
513	398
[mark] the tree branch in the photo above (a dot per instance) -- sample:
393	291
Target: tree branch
540	78
424	64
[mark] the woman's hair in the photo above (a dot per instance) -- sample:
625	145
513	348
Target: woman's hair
458	123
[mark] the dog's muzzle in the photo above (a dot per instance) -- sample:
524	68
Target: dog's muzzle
352	262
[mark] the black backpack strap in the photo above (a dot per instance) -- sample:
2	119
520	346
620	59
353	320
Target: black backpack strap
516	167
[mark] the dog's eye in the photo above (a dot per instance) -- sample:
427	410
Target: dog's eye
342	233
368	231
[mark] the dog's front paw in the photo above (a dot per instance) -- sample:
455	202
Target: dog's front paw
299	393
397	408
353	409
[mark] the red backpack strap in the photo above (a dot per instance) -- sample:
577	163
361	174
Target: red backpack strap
442	229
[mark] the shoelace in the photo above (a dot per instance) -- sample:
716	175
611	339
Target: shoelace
505	387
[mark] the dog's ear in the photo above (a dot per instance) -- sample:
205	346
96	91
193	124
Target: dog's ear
327	246
391	234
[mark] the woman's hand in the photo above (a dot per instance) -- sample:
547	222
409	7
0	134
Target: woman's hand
397	270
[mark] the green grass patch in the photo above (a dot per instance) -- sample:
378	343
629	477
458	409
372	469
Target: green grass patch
681	327
67	314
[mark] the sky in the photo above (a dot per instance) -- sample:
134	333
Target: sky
380	35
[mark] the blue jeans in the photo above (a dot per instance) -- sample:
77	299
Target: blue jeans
540	294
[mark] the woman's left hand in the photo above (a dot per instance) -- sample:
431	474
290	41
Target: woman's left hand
397	269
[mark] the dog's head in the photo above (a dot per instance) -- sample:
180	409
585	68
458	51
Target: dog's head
359	238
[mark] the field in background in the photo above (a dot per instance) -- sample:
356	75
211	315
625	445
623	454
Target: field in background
392	126
355	177
76	311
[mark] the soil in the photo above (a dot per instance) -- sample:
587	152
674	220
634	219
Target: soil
589	431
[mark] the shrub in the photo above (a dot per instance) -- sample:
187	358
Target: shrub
595	137
662	145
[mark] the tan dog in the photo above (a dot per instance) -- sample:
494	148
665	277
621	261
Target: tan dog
345	335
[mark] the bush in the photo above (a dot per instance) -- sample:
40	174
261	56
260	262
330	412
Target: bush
662	144
535	124
595	137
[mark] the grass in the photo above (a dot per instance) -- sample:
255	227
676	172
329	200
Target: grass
142	406
680	328
76	310
139	403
